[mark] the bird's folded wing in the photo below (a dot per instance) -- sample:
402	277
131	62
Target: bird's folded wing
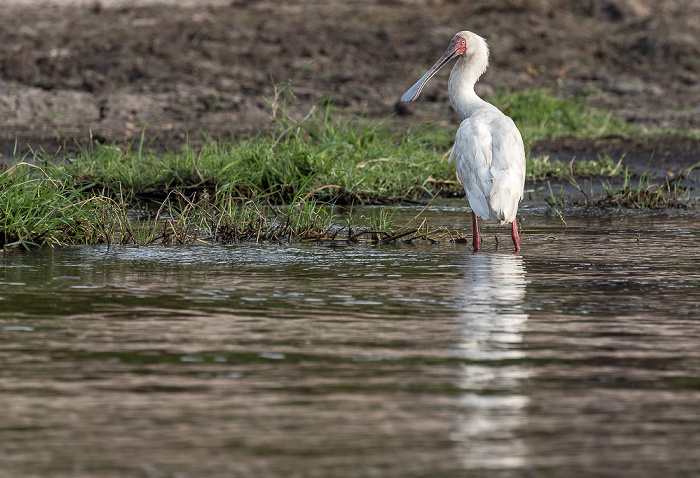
490	163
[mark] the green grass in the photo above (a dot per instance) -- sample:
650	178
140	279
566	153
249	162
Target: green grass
644	194
273	186
336	159
540	168
541	116
38	210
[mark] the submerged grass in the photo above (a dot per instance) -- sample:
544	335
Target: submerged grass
645	194
37	210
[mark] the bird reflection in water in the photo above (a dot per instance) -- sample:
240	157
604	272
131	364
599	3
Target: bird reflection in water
492	404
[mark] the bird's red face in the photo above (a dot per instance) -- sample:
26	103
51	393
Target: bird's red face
459	44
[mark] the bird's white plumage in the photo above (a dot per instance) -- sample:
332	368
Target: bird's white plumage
490	162
488	150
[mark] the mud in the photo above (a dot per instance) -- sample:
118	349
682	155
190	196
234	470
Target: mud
112	69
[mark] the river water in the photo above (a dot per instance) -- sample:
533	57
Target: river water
578	357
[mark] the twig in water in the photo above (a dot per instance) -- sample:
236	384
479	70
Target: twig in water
617	166
398	236
361	233
573	182
561	216
421	211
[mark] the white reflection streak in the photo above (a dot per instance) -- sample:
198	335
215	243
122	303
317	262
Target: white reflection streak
491	409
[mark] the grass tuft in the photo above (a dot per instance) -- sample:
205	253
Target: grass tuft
539	116
540	168
36	209
645	194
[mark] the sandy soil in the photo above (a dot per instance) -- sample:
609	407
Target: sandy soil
115	67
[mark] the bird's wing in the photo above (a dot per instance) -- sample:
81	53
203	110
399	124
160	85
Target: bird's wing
490	162
472	154
507	169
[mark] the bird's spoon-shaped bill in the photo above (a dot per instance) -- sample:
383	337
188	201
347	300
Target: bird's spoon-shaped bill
413	92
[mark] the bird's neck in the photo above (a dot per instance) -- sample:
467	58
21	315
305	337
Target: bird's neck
464	76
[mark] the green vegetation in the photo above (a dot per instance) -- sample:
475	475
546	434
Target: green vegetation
644	194
36	209
539	116
39	210
277	186
321	155
540	168
339	160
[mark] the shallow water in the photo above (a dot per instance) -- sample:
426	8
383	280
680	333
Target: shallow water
578	357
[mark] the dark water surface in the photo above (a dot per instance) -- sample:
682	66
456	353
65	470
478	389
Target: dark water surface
579	357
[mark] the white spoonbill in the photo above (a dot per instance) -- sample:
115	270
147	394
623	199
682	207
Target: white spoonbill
488	150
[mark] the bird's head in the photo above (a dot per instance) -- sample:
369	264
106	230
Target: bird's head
462	43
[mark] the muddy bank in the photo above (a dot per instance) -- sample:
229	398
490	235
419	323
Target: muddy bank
115	68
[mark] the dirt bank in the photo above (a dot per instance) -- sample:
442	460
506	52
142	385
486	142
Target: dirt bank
114	67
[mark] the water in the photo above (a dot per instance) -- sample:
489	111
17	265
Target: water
579	357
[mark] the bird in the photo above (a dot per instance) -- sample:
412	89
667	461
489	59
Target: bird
488	152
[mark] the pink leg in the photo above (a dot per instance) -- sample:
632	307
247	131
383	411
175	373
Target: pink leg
514	235
476	241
